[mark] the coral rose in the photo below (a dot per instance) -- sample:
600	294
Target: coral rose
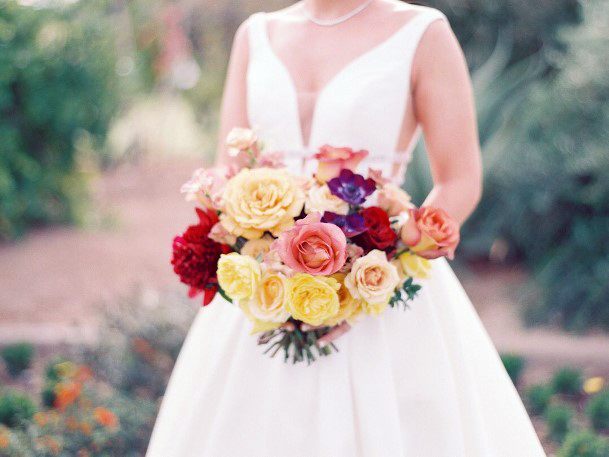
373	279
238	275
260	200
313	247
430	233
332	160
312	299
393	199
266	308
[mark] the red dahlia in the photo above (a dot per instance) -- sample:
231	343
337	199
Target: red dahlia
195	256
379	235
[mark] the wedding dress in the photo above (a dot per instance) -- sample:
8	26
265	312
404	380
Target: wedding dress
425	382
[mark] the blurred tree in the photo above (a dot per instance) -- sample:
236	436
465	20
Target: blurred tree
548	189
479	23
57	93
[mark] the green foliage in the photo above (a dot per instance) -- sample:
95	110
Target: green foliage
15	409
58	92
597	411
547	182
538	398
17	357
514	365
478	24
584	444
558	418
567	381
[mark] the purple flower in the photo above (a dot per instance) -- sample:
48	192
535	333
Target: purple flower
351	225
352	188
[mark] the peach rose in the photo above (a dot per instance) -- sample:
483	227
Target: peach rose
393	199
220	235
373	280
430	233
313	247
332	160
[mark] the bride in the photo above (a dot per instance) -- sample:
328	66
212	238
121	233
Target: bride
368	74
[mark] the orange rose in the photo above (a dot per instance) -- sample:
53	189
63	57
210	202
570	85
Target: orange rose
332	160
431	233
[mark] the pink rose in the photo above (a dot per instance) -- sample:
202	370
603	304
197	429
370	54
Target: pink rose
393	199
332	160
431	233
313	247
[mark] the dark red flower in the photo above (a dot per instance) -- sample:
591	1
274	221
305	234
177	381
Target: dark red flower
379	235
195	256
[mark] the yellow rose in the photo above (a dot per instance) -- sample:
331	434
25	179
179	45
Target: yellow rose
373	280
238	275
320	199
266	308
412	265
256	248
259	200
349	307
312	299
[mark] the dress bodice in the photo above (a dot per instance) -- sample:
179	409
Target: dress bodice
361	107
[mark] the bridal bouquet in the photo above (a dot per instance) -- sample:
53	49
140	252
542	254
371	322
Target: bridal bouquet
302	254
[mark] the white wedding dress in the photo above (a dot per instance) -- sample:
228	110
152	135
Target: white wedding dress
425	382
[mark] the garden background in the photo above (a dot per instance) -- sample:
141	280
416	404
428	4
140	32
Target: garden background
106	106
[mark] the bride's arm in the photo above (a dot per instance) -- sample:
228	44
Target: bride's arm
444	106
234	109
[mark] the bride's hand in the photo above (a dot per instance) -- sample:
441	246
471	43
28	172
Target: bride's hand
329	337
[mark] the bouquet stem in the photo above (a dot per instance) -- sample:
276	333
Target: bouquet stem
297	345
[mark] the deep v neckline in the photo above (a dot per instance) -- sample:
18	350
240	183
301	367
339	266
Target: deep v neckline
321	93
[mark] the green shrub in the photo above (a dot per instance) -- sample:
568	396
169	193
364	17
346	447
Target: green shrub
15	409
584	444
514	365
567	381
547	183
18	357
597	411
58	91
558	417
538	398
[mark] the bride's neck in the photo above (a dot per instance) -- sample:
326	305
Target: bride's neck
329	9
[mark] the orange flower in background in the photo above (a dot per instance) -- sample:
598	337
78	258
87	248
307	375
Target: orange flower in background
41	419
66	393
105	417
5	439
86	428
332	160
431	233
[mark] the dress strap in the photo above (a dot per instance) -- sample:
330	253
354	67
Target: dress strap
256	25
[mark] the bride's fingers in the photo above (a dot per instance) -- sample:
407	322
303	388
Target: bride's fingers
337	331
